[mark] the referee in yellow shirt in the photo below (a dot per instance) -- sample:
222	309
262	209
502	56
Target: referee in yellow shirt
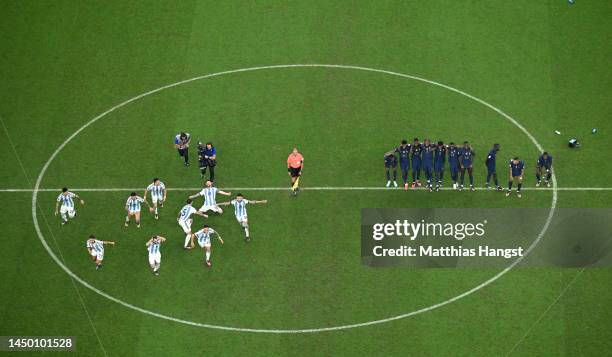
295	164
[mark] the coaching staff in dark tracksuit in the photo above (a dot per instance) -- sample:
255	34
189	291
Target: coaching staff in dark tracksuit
181	143
207	155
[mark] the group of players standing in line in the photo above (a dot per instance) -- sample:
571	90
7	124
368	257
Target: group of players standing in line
431	159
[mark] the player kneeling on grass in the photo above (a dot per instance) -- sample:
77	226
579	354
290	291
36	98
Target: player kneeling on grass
158	195
95	247
240	211
204	241
132	207
544	166
517	169
184	220
153	246
210	198
67	209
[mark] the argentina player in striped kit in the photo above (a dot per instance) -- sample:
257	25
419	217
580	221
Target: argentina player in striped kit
132	206
204	241
95	248
153	246
67	209
240	211
210	198
184	220
158	195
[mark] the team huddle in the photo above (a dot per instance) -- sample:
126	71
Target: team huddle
430	159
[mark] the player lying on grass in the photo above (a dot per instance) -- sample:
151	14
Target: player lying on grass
132	207
391	165
210	198
204	241
184	220
490	163
544	166
95	248
67	209
439	160
466	156
516	172
153	246
158	195
295	165
240	211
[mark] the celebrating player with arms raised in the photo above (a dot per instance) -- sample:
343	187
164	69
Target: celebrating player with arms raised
184	220
210	198
204	241
240	211
95	247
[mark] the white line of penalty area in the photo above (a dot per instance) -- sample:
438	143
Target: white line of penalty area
322	188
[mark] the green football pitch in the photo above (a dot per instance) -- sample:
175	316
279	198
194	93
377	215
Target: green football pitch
92	95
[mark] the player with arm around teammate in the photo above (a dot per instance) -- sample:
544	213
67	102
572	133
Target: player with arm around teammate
204	241
544	165
416	149
67	209
153	246
439	160
404	159
428	162
95	248
516	172
240	211
158	195
184	220
453	163
133	206
210	198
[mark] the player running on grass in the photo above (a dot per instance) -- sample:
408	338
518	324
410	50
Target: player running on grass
295	164
95	247
158	195
516	171
240	211
210	198
67	209
153	246
184	220
132	207
204	241
544	165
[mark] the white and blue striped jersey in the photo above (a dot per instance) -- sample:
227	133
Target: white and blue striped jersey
186	212
134	203
66	199
157	190
96	245
240	208
203	237
210	196
153	248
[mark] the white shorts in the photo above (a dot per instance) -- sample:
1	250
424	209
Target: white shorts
204	243
98	255
186	225
157	199
133	212
214	208
241	219
70	210
154	258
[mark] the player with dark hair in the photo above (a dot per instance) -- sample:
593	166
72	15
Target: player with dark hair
439	159
453	163
491	167
207	157
391	165
427	158
416	151
181	143
404	158
466	156
295	164
544	165
240	212
516	172
95	248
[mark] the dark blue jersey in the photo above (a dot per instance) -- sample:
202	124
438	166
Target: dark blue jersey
517	169
466	155
490	161
428	155
545	162
416	150
390	160
440	155
453	156
404	153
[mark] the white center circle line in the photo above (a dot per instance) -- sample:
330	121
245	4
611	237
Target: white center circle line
288	331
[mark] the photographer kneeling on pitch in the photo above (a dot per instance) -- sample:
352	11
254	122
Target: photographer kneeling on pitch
207	155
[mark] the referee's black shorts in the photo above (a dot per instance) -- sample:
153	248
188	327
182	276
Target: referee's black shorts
295	171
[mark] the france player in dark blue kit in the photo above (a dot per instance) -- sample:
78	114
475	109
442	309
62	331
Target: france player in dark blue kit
439	159
491	167
544	165
453	163
404	158
516	171
391	164
466	157
416	150
427	157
